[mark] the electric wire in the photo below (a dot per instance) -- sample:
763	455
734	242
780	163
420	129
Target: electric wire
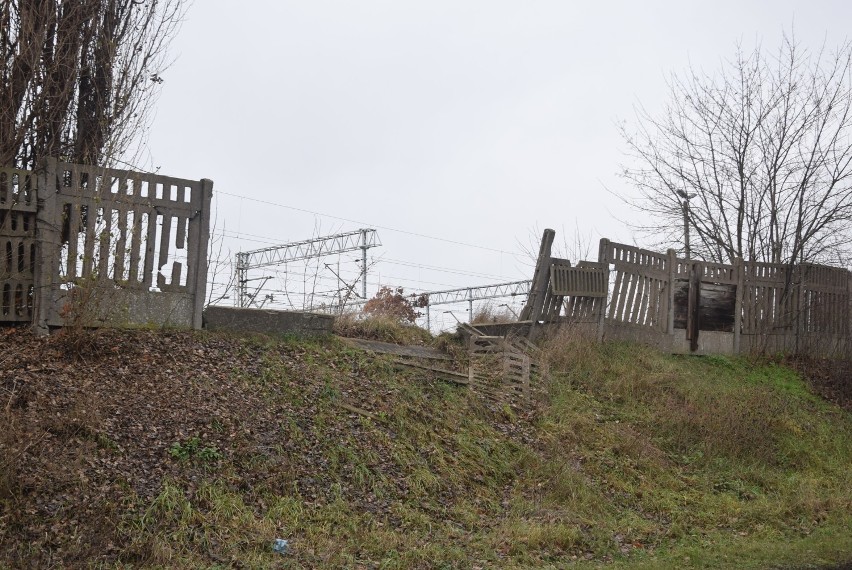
377	226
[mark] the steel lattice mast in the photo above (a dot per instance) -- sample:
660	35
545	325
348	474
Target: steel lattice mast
362	239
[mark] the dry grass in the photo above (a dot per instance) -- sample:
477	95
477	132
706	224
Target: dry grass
743	423
489	314
716	415
571	355
9	452
382	328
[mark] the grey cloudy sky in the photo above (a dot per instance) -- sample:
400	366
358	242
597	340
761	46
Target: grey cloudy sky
478	122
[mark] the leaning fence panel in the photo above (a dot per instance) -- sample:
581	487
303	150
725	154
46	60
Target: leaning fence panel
640	293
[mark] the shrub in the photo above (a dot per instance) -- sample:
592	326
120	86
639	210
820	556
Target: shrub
391	303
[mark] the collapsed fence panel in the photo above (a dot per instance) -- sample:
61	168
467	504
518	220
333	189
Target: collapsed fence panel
501	369
554	297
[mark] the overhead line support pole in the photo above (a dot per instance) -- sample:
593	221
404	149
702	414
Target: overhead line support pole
364	264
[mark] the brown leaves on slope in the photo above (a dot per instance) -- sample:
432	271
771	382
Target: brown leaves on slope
82	435
90	441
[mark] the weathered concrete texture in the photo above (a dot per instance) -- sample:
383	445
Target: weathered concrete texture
398	350
124	307
709	342
620	331
267	321
502	329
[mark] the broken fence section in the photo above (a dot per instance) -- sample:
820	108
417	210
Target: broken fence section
503	369
689	305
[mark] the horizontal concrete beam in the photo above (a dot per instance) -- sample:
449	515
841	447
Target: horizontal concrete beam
267	321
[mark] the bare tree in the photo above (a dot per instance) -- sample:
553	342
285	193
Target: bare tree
78	77
752	161
219	264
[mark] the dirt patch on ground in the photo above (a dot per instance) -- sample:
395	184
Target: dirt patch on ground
831	379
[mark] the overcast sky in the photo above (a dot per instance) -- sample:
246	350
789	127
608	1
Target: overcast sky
477	122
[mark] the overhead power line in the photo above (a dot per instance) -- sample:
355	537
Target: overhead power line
333	217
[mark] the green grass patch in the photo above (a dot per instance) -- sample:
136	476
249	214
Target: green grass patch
634	459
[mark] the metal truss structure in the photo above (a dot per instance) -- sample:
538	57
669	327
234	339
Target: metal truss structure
460	295
471	294
362	239
479	293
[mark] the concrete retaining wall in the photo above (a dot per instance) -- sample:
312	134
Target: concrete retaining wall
267	321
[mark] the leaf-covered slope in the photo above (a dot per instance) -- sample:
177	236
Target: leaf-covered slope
154	449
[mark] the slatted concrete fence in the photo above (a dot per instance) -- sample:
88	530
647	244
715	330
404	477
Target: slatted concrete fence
18	205
641	287
688	305
131	247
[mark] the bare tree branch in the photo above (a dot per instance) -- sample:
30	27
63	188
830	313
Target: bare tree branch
79	77
763	150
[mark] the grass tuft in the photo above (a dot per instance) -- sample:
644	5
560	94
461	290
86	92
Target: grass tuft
382	328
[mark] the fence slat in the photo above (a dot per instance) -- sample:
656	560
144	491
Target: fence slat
121	243
73	212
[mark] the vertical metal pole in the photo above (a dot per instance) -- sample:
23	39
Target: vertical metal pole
363	264
242	291
428	318
470	306
686	227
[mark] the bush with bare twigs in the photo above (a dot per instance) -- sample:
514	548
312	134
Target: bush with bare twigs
391	303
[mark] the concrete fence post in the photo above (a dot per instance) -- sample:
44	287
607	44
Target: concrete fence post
847	325
541	278
693	317
48	224
199	287
738	303
797	303
603	257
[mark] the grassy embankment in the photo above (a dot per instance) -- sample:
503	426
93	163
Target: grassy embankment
634	458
